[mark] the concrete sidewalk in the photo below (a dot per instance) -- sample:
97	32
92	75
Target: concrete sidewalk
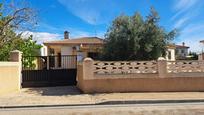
71	96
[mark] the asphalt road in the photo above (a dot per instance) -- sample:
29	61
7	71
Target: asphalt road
123	109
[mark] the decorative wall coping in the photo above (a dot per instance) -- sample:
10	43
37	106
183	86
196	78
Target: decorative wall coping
185	66
124	67
160	68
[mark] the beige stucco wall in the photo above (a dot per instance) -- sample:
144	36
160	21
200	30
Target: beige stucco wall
89	82
66	50
172	54
142	84
10	73
9	77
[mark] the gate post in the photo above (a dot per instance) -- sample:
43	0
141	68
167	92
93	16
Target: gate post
48	62
16	56
162	67
88	68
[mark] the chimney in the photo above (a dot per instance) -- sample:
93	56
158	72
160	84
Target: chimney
66	35
183	43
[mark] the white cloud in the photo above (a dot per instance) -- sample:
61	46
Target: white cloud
187	20
180	22
184	4
192	35
79	9
182	7
194	28
77	33
91	11
41	37
74	32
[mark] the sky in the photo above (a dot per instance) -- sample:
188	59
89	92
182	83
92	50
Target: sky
93	17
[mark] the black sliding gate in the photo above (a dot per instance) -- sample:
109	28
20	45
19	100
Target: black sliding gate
47	71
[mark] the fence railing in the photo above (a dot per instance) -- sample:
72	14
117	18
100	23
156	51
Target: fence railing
185	66
124	67
49	62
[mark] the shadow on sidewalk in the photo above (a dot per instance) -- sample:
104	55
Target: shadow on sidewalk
53	91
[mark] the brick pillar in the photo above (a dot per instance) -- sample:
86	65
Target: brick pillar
162	67
88	68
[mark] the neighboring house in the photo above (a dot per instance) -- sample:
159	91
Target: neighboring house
43	50
181	51
81	47
201	56
170	53
91	46
176	52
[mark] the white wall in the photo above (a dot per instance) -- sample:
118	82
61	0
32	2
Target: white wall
66	50
43	50
173	58
180	54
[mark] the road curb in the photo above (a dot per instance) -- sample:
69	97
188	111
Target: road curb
110	103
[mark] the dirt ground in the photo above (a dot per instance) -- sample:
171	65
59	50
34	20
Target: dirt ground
71	95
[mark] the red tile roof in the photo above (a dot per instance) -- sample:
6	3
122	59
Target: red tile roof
76	41
171	46
181	46
176	46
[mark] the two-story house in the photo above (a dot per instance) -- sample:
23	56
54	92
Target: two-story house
176	52
181	51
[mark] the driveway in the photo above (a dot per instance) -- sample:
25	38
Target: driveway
51	91
45	96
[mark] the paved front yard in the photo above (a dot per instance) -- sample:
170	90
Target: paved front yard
71	95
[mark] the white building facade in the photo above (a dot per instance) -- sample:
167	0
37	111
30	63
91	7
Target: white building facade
176	52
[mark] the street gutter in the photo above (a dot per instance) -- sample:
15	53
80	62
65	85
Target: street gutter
111	103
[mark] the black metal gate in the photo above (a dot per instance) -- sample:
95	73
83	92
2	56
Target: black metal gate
46	71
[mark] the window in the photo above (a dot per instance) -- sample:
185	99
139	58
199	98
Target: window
93	55
59	59
176	51
169	55
52	51
182	51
